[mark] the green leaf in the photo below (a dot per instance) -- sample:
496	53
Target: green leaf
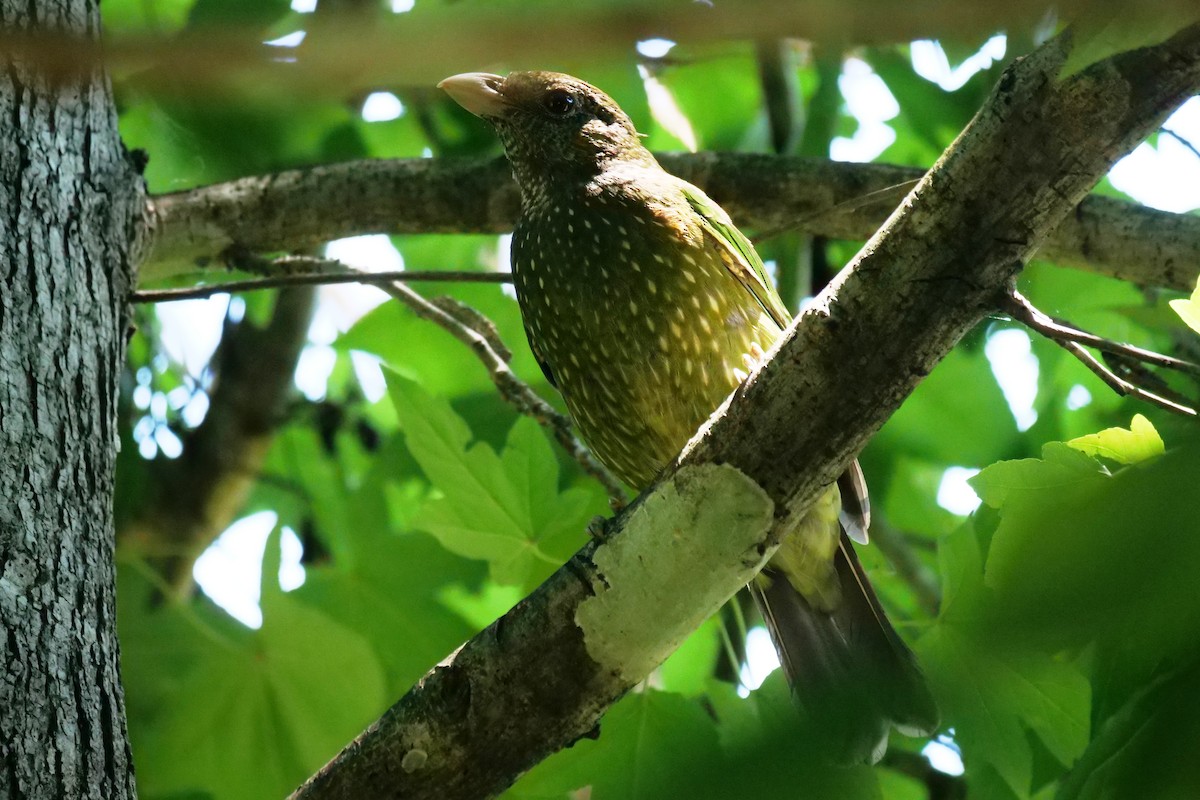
1104	32
699	73
650	745
139	16
481	608
506	510
252	717
1060	466
1087	560
994	697
391	600
688	670
257	15
1140	443
1189	309
909	497
1147	749
754	765
1075	565
934	115
424	352
961	559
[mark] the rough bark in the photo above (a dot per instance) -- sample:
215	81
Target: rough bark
70	205
766	193
932	273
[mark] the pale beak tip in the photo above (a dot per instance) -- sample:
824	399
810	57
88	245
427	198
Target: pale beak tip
477	92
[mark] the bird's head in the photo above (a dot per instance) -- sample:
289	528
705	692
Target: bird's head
554	127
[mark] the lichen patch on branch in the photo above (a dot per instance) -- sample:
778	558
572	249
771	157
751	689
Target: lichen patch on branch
702	515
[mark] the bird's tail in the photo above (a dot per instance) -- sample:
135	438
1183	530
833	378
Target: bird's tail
849	671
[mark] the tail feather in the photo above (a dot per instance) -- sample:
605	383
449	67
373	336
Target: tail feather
849	670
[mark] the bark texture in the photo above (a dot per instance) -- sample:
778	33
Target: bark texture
765	193
70	207
933	272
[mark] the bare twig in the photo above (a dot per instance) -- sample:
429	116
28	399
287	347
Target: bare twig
317	278
1072	340
476	321
477	333
886	195
1019	307
1119	384
1177	137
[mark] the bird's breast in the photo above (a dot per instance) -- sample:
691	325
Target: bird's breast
644	330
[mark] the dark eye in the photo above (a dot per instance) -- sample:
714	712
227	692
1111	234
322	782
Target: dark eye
558	102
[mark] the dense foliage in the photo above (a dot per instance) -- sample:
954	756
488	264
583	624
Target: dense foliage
1057	624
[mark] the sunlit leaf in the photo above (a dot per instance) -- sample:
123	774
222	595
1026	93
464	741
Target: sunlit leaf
1083	560
1139	443
1101	33
1060	466
1189	309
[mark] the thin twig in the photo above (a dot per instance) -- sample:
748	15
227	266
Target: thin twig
313	279
462	323
1072	340
1139	373
1119	384
473	319
896	191
1022	310
1181	140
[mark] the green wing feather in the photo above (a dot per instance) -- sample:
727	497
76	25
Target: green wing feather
739	253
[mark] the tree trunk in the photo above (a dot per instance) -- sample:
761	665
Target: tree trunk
70	204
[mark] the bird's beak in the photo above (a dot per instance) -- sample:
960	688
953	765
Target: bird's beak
478	92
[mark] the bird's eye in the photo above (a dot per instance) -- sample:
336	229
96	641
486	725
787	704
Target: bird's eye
558	102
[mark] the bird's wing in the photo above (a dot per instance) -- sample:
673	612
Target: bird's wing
742	260
737	253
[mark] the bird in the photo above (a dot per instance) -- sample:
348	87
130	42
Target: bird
645	306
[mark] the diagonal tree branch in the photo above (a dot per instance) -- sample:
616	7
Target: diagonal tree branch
545	672
300	208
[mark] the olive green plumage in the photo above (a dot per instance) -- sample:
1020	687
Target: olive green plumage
645	307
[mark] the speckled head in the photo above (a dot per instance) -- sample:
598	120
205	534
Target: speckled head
555	128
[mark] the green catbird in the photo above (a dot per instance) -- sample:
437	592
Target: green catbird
645	307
